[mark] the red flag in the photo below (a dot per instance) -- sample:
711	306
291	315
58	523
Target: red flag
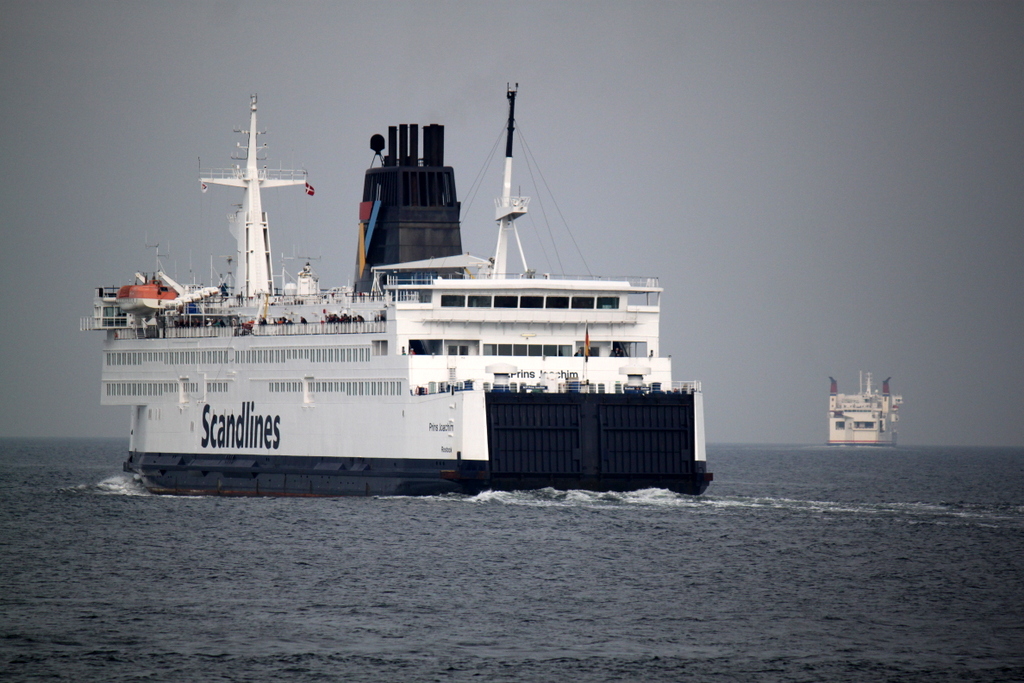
309	189
586	345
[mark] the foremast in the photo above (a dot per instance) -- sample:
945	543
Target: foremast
507	207
250	226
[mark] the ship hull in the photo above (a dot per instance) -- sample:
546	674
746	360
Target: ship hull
195	476
198	474
598	442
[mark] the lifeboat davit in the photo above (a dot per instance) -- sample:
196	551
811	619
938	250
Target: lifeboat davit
145	298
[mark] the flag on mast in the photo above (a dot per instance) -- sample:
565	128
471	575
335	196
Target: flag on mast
586	345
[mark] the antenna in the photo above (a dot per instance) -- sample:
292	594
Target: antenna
511	95
157	254
301	257
229	278
307	259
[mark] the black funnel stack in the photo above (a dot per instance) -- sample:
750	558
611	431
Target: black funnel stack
409	211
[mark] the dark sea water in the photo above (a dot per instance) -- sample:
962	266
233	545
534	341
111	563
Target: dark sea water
799	564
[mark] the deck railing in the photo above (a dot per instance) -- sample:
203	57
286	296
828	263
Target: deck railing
89	323
421	279
151	332
569	387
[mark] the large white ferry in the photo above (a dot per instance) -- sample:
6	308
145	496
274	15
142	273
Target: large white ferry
436	372
866	418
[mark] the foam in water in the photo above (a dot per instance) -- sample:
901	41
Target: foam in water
549	497
662	498
120	485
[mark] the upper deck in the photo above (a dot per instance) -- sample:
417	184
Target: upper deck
449	303
340	311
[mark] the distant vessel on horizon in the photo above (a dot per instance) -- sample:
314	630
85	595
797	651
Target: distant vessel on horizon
867	418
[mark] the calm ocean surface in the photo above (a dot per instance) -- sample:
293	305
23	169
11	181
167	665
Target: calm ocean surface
800	564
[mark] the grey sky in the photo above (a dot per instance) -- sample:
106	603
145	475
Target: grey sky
822	187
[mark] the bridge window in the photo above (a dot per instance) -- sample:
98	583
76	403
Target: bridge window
527	350
583	302
558	302
453	300
479	301
607	302
531	302
506	301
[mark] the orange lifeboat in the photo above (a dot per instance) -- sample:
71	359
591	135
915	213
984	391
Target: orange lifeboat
147	298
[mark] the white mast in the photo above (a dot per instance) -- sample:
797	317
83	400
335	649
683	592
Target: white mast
251	228
507	207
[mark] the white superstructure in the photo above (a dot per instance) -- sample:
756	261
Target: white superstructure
867	418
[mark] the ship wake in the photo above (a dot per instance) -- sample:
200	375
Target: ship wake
118	485
955	514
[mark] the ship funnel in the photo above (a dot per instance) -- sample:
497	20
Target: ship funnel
835	386
885	386
403	145
409	211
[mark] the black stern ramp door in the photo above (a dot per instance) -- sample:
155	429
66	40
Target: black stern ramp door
599	442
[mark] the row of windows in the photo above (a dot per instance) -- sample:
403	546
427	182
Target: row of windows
371	388
125	358
365	388
217	357
527	349
840	424
222	356
212	357
375	388
149	388
337	354
528	301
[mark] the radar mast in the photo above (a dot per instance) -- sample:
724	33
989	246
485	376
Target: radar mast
507	207
251	229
